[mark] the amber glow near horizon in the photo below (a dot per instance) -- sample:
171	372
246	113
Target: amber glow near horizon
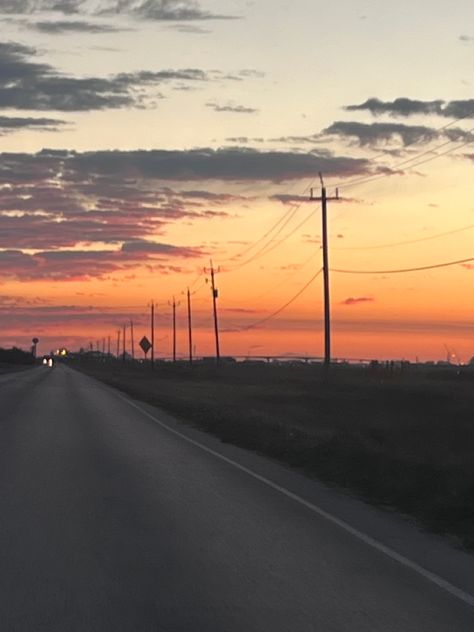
121	189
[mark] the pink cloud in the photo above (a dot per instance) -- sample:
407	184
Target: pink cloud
354	301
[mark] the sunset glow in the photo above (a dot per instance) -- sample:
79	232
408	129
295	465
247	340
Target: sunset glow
145	139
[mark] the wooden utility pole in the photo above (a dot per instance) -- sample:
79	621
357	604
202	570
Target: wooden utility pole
215	295
324	199
118	344
173	305
108	346
152	332
190	331
123	342
131	339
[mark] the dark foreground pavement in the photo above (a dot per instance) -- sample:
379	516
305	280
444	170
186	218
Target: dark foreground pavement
109	522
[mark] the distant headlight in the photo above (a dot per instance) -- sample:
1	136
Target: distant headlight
45	361
50	362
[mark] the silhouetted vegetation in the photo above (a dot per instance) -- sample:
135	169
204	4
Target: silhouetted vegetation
401	439
14	359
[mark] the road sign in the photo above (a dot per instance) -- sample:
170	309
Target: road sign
145	344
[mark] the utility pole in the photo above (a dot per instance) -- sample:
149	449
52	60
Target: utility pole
118	343
131	338
108	346
215	295
103	346
152	333
123	342
324	199
173	305
190	331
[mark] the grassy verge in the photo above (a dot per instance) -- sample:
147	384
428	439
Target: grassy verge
13	368
401	441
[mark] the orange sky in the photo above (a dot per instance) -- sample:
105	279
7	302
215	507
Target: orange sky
207	148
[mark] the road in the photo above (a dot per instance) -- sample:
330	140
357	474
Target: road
111	522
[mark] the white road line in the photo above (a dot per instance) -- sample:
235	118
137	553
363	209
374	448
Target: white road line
367	539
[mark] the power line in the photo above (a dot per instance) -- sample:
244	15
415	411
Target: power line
284	218
409	144
397	271
270	247
283	307
408	241
415	164
297	268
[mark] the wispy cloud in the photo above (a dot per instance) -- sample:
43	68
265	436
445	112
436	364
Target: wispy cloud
160	10
404	106
27	84
62	27
10	124
357	300
233	108
375	133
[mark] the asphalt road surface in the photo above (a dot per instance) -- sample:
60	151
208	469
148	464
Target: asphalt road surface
111	522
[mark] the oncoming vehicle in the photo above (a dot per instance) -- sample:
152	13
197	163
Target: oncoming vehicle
48	361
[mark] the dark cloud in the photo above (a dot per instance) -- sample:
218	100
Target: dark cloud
33	6
408	107
354	301
57	200
74	265
30	85
162	10
374	133
236	109
79	26
233	164
10	124
155	248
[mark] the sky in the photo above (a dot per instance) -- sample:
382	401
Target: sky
141	139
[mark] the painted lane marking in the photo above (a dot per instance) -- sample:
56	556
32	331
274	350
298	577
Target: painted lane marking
363	537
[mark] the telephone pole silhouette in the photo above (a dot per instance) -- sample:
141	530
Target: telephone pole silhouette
152	333
118	343
108	346
123	342
215	295
324	199
131	338
173	305
190	331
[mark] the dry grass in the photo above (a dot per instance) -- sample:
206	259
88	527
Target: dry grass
405	441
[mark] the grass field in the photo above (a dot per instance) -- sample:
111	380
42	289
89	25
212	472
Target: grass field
12	368
404	441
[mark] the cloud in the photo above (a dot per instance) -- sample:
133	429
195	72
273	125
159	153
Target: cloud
62	27
227	164
88	215
466	38
161	10
236	109
139	246
75	265
355	301
30	85
10	124
375	133
409	107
